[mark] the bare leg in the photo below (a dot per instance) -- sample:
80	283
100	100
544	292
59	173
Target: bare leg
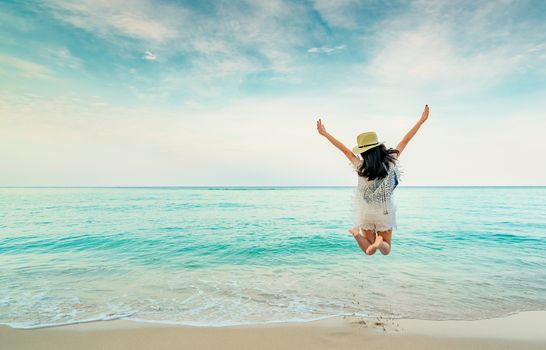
373	247
385	246
362	240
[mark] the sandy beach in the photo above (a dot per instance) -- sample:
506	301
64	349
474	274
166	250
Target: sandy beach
521	331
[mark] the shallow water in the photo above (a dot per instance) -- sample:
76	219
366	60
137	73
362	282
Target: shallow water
219	256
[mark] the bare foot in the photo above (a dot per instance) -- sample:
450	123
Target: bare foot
376	244
354	231
372	248
360	239
385	248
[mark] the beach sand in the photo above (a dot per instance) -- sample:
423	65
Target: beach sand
522	331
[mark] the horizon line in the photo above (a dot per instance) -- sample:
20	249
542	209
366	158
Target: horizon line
269	186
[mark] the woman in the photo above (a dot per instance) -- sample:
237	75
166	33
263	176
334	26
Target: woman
378	176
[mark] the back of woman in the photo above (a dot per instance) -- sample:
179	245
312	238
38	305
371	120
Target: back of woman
378	176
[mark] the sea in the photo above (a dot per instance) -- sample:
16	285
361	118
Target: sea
219	256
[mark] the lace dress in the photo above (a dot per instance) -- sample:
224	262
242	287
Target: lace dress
374	205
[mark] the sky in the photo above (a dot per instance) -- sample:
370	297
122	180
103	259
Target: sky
226	93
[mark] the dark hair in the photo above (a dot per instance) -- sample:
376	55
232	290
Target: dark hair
376	162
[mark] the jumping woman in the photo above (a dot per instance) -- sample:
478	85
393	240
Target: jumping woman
378	176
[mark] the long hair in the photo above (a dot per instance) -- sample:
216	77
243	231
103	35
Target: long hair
376	162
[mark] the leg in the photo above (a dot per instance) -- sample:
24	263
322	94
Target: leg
376	243
383	242
385	246
364	241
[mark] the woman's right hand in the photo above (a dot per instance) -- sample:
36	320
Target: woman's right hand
322	130
320	127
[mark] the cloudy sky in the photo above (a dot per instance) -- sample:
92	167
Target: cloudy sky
143	92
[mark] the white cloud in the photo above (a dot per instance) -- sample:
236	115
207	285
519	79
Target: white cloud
26	68
141	19
325	49
149	56
428	55
64	58
455	51
232	42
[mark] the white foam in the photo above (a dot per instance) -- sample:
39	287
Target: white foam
68	323
232	323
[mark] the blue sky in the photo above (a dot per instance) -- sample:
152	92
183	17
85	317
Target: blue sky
227	92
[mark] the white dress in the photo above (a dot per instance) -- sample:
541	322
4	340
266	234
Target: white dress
374	204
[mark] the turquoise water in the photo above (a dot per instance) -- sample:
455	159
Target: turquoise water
219	256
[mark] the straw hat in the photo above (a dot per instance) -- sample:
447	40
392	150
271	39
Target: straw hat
366	141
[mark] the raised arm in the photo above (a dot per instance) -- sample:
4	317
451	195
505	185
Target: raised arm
322	130
413	131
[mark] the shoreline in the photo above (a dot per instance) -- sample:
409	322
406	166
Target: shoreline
518	331
138	322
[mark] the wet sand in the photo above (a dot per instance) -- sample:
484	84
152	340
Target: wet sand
521	331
